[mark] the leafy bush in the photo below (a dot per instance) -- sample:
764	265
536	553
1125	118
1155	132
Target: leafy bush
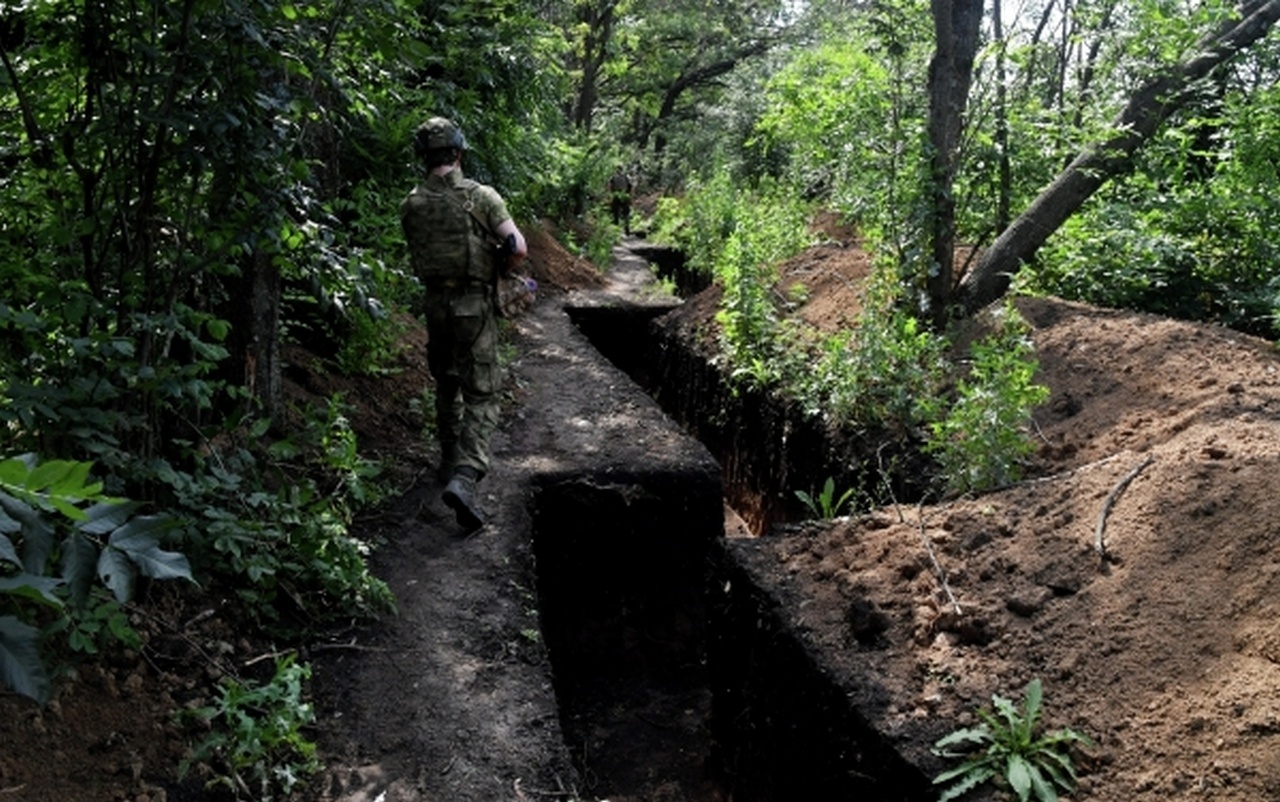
59	538
877	372
276	519
257	748
1005	745
980	439
738	236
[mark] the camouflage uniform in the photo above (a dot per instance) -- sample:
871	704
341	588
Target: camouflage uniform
620	200
451	257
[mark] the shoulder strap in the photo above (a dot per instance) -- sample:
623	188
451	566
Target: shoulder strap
469	208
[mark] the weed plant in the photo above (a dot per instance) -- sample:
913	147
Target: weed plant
826	505
257	748
1005	748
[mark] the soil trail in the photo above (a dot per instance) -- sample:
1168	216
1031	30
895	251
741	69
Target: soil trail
453	698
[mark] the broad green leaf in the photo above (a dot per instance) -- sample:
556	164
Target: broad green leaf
37	533
116	573
105	517
138	539
34	587
8	552
20	666
7	524
14	472
49	473
1018	773
62	505
79	559
72	483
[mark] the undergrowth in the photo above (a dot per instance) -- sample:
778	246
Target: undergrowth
889	371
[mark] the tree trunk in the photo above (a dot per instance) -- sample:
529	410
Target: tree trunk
1141	118
956	26
598	24
255	332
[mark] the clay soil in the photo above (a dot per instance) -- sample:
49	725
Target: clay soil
1150	611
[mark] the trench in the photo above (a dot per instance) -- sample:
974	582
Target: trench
676	677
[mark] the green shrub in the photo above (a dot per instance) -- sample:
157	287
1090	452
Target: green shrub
257	748
877	372
980	439
61	541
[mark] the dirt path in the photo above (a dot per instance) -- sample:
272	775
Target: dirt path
453	699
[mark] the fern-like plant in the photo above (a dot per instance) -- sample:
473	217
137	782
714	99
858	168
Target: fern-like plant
1005	747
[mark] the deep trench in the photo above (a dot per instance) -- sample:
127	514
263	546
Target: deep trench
677	679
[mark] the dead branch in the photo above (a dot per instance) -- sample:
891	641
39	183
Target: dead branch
933	558
1099	530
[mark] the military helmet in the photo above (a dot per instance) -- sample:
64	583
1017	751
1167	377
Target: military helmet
438	132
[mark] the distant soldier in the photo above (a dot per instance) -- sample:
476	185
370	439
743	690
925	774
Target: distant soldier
620	199
450	224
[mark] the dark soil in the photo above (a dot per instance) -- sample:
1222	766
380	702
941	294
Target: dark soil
817	659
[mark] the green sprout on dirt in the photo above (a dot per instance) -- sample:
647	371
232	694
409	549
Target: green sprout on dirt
825	505
1005	748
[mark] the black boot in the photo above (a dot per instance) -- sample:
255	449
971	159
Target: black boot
460	496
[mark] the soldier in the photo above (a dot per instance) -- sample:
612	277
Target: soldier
620	199
451	224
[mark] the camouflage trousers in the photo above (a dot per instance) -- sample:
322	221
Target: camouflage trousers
462	355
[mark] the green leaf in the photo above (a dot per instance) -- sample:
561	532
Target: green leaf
1043	790
20	665
970	735
1018	773
14	472
48	474
138	539
971	780
8	552
34	587
106	516
1031	707
7	524
116	573
79	557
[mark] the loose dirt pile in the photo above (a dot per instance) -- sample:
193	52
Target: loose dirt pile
1150	610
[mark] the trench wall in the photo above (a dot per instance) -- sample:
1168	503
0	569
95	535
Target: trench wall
781	727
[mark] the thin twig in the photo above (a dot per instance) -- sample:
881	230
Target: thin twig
1064	474
268	656
884	477
1099	543
225	668
355	647
933	558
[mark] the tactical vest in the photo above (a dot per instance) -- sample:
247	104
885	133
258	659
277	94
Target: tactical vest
446	240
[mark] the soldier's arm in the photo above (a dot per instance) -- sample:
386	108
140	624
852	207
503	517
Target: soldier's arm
508	228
